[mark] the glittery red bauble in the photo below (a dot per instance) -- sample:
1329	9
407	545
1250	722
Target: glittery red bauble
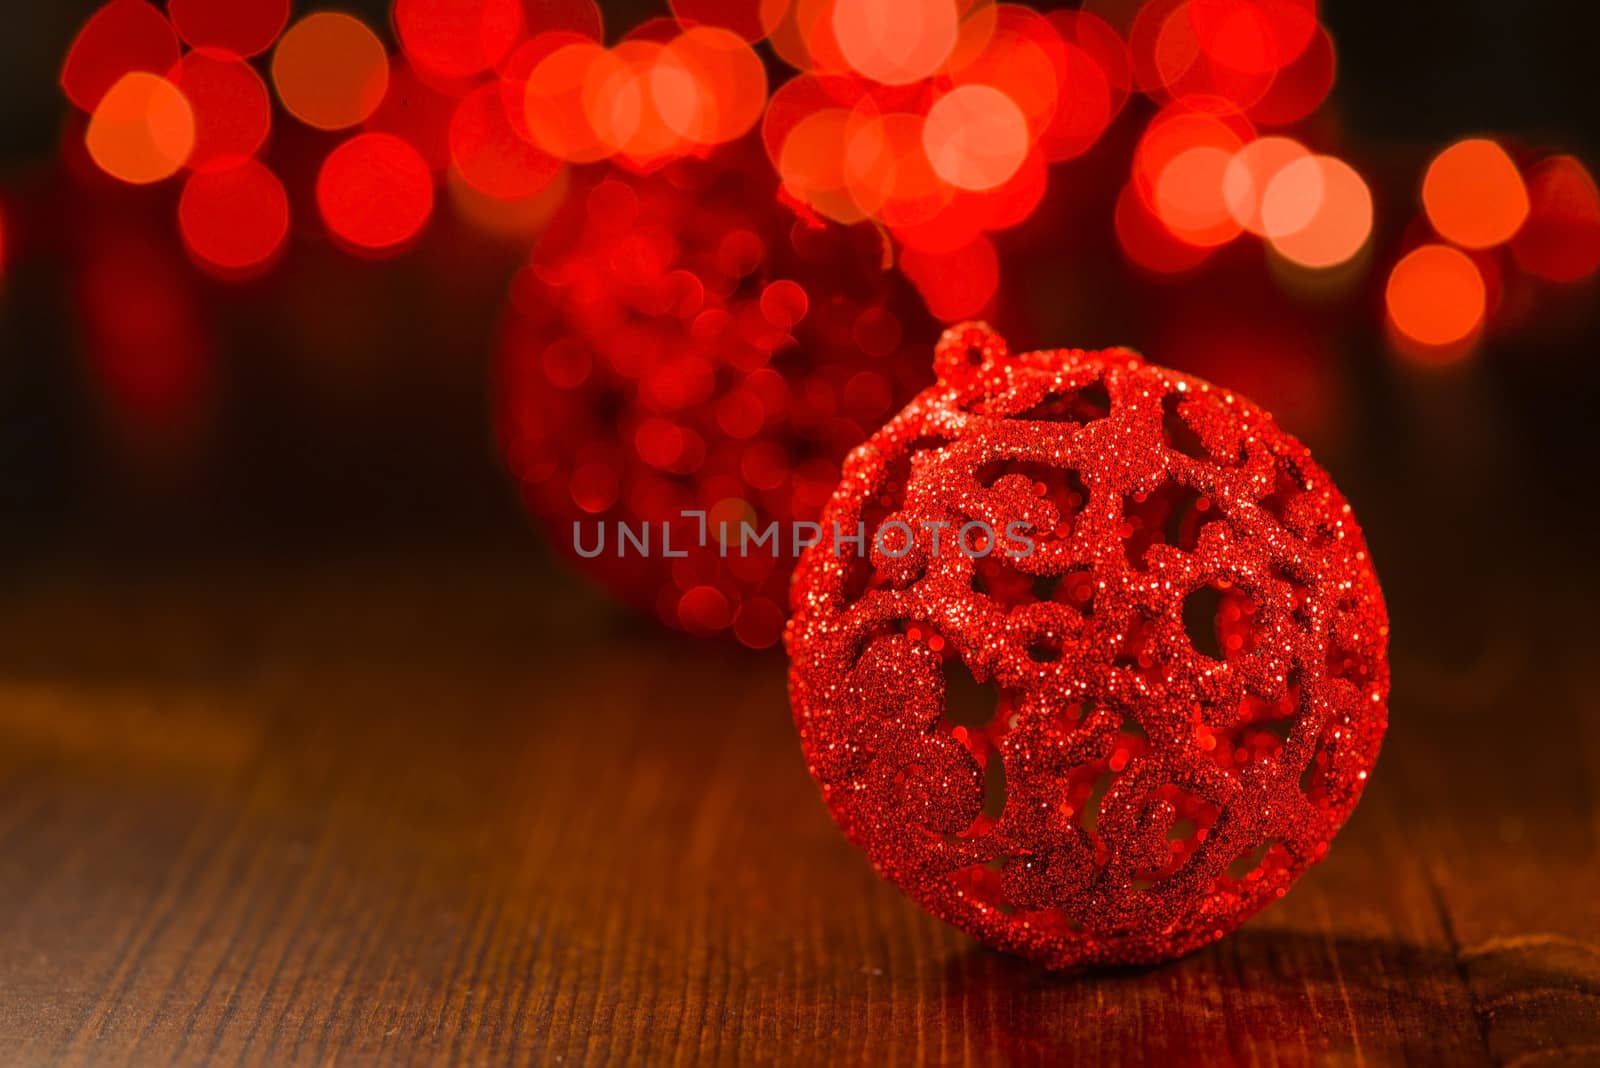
681	342
1184	667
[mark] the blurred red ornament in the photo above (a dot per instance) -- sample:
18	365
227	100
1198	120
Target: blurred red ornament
1181	630
682	343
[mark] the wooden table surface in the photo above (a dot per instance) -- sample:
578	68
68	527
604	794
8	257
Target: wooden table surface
424	811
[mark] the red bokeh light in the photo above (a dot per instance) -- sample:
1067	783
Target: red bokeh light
122	37
1025	59
241	27
142	130
1561	239
889	169
489	153
1301	87
817	158
1189	196
559	93
1317	212
1474	194
1146	240
375	192
457	38
1254	36
331	71
660	95
801	33
1179	128
627	104
1436	297
234	219
232	108
1251	171
729	91
1104	46
895	42
1088	101
976	137
1173	65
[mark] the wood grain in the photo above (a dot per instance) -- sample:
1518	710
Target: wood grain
444	810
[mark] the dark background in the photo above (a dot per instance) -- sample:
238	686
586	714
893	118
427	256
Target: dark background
347	403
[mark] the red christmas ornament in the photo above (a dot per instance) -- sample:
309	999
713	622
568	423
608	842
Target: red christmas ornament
1181	633
686	358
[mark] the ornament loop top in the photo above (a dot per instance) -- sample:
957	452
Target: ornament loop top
966	351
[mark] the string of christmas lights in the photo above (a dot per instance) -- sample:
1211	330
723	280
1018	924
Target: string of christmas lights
937	120
868	160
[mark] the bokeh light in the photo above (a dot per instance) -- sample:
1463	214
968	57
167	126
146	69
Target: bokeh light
1025	59
375	192
557	97
1253	36
457	38
658	95
1561	239
232	108
1146	240
142	130
1474	194
895	42
1180	128
815	159
490	155
1096	39
1436	297
729	91
976	137
1317	212
1251	171
628	102
1088	99
1189	196
122	37
1300	88
234	219
331	71
242	27
1171	62
889	169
